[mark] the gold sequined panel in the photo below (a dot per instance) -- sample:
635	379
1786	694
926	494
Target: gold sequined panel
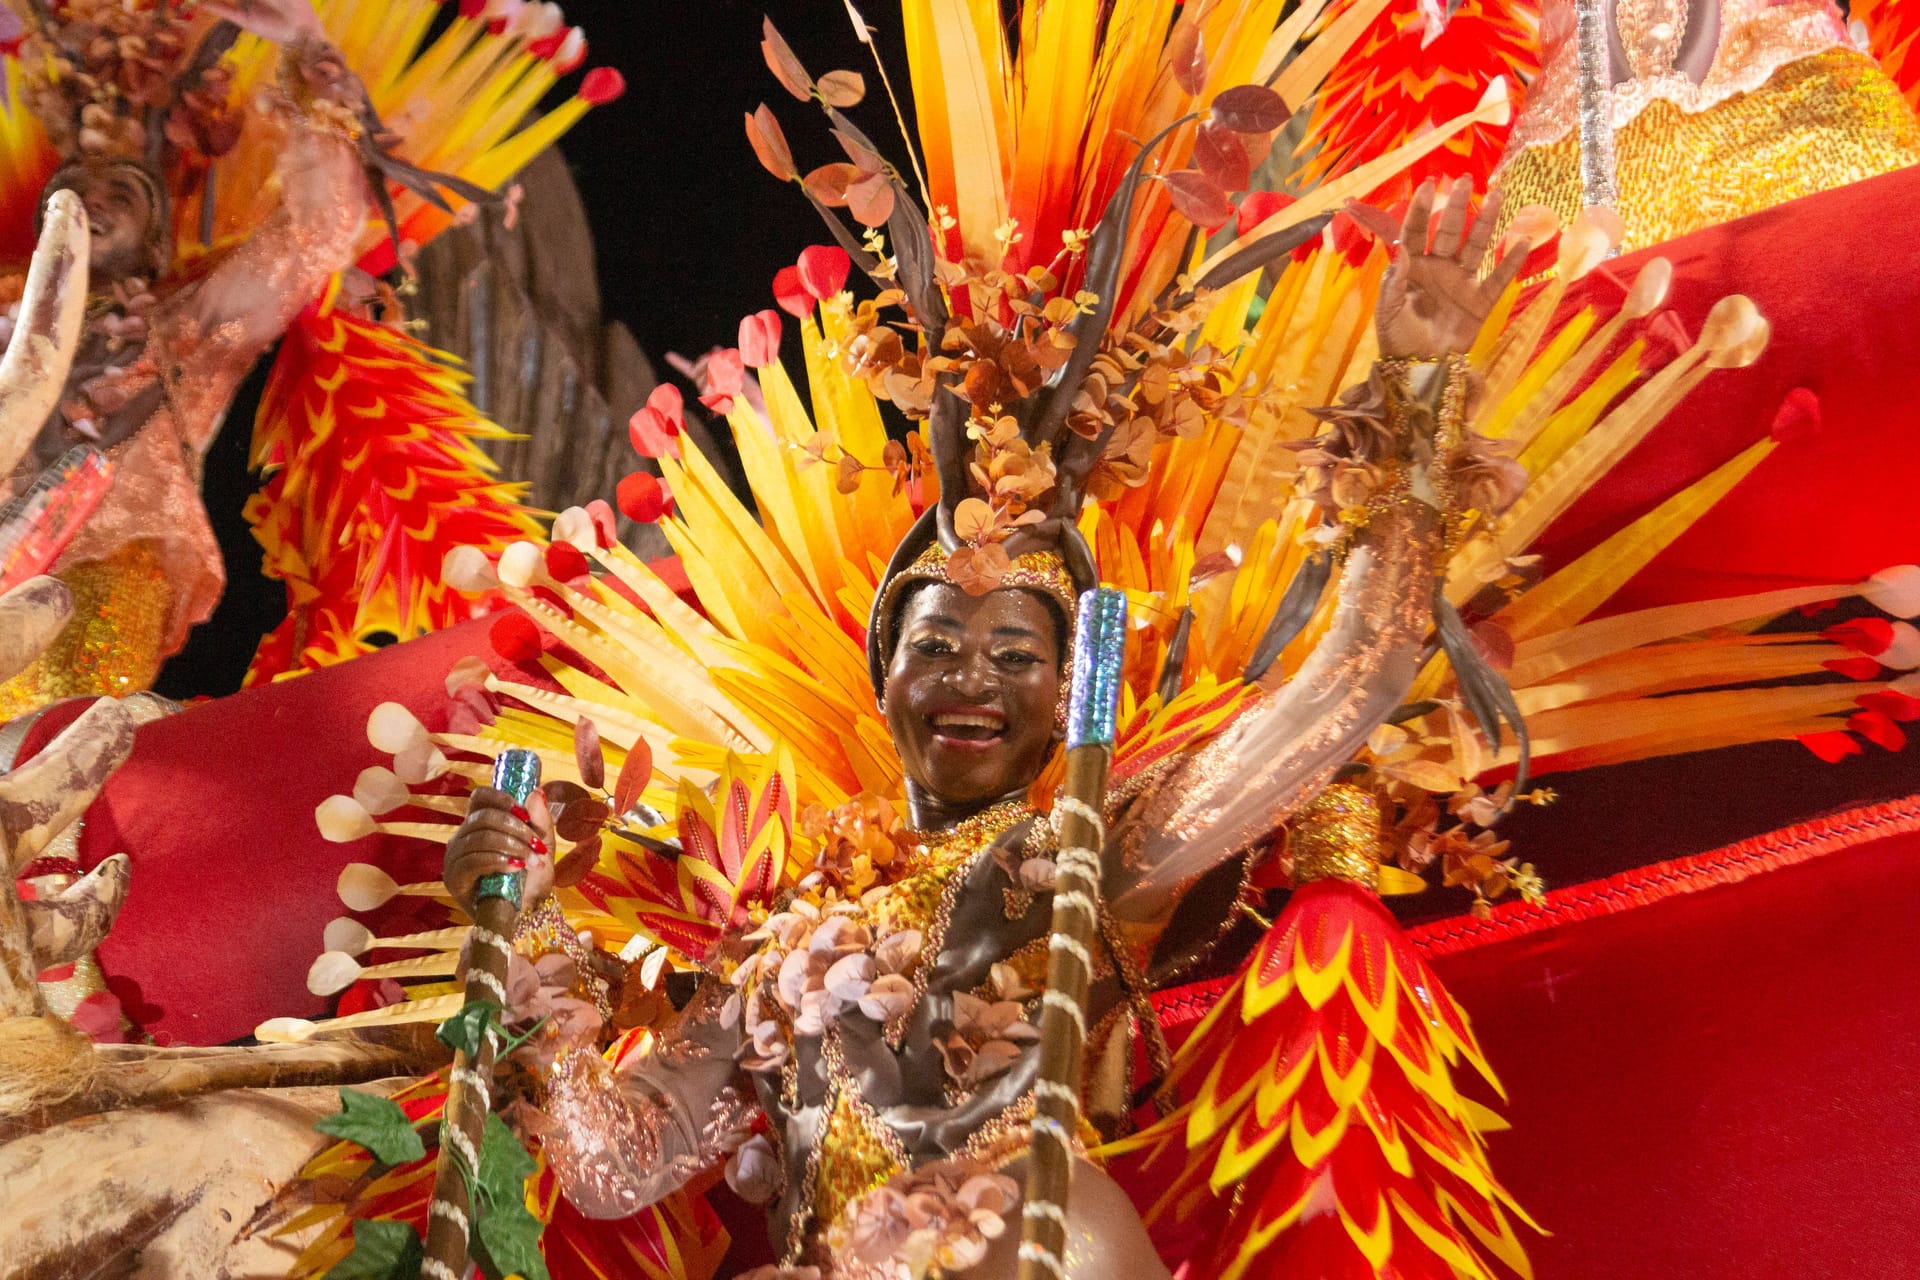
858	1157
1819	123
1337	836
112	644
912	901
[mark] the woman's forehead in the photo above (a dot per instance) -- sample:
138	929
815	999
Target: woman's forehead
943	604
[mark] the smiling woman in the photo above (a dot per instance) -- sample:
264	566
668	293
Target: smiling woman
885	1024
972	695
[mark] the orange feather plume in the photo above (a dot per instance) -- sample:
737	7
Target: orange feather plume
375	474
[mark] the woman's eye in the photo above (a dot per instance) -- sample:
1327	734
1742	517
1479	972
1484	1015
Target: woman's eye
932	648
1018	657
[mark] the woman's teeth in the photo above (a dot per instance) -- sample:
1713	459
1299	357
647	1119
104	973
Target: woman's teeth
968	727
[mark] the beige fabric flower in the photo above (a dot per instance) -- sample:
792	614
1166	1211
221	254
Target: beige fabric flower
946	1215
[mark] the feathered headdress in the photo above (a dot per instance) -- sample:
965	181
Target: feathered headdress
118	82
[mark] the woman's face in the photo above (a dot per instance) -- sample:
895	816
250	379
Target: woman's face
971	692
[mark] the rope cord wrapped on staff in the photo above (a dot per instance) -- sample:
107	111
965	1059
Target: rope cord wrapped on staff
1099	649
469	1099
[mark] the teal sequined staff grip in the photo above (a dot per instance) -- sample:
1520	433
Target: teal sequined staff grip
1099	656
517	772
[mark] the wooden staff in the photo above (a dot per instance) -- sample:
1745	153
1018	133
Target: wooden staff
1099	646
496	905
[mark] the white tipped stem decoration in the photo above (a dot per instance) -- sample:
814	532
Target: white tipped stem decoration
574	526
1734	333
379	790
419	763
467	569
1649	289
1495	107
344	933
1895	591
1590	239
1903	651
335	971
365	887
294	1030
394	729
1531	226
522	564
342	819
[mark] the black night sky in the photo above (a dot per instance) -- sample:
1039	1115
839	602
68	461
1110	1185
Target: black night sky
689	227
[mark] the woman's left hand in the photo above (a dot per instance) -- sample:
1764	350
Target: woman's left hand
1433	300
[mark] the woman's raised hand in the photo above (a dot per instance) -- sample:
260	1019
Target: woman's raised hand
1433	299
498	837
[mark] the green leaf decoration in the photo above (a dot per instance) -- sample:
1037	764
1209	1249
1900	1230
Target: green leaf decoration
465	1030
505	1166
381	1251
378	1124
509	1244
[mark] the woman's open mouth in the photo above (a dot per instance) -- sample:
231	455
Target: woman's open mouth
974	729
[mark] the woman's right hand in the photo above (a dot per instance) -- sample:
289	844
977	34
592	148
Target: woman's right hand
498	837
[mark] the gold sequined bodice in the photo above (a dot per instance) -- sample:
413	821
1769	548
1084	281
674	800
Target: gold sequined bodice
114	643
857	1152
1786	108
1817	123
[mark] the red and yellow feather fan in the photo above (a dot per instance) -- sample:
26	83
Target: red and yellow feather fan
375	474
1415	68
733	861
1326	1136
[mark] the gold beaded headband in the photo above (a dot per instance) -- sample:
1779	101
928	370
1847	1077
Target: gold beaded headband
1055	575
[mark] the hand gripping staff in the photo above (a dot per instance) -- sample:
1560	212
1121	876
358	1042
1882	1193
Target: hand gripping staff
1099	647
496	904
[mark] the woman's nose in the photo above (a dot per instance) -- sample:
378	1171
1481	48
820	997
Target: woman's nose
973	677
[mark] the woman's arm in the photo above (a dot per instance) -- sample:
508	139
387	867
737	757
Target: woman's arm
253	295
1237	788
622	1137
625	1137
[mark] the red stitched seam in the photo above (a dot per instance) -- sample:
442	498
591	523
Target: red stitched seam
1623	892
1644	885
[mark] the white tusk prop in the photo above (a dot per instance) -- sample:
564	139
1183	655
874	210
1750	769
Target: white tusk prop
294	1030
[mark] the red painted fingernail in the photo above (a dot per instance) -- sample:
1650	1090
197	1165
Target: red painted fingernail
520	812
538	845
515	864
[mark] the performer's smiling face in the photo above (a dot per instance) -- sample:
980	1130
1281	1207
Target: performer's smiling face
971	691
120	216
